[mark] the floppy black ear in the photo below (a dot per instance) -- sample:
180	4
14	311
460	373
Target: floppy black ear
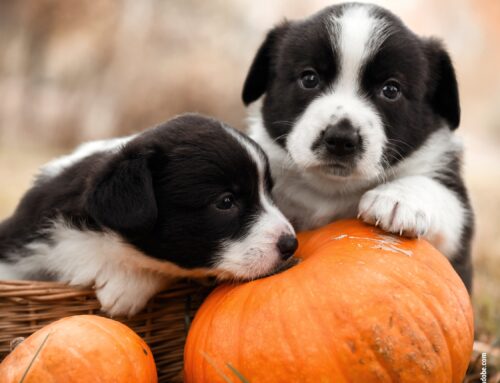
443	88
123	197
260	71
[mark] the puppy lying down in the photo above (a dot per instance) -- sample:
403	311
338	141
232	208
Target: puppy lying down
188	198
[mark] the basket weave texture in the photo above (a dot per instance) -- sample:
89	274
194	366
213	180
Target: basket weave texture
26	306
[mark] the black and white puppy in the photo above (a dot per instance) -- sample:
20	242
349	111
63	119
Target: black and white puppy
188	198
358	120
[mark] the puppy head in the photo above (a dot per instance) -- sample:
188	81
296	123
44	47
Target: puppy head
351	91
195	192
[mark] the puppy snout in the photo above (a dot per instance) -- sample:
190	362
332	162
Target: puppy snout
341	139
287	244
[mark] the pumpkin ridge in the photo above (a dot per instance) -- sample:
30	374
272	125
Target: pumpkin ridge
439	276
196	336
279	318
80	350
188	354
431	310
381	362
452	286
283	329
470	325
334	355
206	365
354	310
80	359
242	315
294	349
448	281
217	304
394	278
117	341
203	365
422	331
393	376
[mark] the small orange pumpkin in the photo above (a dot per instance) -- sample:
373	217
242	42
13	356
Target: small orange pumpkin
81	349
363	306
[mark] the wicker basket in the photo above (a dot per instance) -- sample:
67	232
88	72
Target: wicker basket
26	306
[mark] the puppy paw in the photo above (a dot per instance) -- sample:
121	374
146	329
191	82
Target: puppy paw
395	211
116	302
126	296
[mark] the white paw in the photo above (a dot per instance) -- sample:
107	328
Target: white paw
126	295
116	302
395	211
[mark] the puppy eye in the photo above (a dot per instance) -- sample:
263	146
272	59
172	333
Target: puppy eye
391	90
225	202
309	79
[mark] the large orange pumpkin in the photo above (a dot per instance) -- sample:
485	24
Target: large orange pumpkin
363	306
81	349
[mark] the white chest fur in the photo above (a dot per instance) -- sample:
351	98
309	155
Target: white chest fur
405	199
294	196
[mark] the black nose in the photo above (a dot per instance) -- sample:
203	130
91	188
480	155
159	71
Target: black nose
341	139
287	244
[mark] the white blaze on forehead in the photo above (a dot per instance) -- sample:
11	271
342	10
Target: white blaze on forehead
356	34
257	157
260	161
256	254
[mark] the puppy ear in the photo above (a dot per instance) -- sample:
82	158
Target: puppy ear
123	198
259	74
443	88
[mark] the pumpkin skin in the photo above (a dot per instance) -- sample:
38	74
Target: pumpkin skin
82	348
362	306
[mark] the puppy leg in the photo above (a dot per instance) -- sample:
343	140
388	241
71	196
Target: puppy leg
417	206
463	267
126	292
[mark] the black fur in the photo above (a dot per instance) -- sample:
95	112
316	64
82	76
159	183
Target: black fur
158	192
451	177
422	66
122	198
430	96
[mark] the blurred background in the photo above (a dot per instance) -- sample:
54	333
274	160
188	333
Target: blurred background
72	71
